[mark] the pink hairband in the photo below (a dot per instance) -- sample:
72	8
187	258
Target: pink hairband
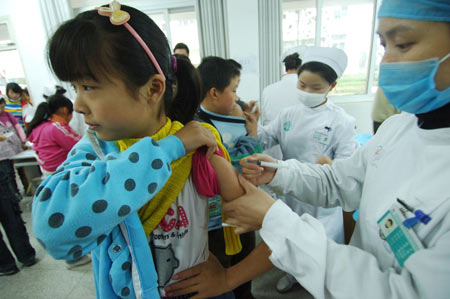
121	17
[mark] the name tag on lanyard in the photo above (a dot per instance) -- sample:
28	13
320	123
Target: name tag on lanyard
402	240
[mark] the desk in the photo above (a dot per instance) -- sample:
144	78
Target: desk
27	160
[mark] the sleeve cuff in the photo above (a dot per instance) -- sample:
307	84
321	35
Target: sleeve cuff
278	179
173	147
279	215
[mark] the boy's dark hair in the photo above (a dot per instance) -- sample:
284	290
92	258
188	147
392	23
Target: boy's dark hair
321	69
2	101
89	46
48	108
292	62
236	64
14	87
216	72
181	46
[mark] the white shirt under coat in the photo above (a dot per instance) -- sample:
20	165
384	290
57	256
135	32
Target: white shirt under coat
400	161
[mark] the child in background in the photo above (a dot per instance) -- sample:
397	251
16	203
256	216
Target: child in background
220	80
14	101
28	109
110	197
13	129
50	133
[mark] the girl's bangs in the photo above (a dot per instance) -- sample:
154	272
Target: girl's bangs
76	52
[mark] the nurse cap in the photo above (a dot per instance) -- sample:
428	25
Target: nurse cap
300	50
424	10
333	57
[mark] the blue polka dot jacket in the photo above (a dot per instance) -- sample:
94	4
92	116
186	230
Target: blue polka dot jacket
90	205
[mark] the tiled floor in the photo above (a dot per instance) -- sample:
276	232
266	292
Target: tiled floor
49	278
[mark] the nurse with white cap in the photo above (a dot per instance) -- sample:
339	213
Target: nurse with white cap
399	180
281	94
312	129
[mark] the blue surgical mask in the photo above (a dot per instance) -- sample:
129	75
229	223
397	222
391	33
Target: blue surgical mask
410	86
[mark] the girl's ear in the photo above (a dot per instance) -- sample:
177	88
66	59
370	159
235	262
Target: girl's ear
155	88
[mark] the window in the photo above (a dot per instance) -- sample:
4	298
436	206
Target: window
344	24
11	69
180	25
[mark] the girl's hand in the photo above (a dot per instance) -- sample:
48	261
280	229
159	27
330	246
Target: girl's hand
207	279
257	175
247	212
2	137
194	135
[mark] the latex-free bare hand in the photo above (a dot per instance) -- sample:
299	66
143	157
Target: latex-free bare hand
194	135
207	279
256	174
247	212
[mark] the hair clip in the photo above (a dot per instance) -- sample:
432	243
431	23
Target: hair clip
120	17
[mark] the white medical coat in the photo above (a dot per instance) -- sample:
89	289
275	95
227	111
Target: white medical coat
274	99
305	134
401	161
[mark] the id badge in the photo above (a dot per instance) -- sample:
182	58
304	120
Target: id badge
321	137
402	240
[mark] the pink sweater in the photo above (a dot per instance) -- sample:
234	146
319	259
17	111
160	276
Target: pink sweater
52	141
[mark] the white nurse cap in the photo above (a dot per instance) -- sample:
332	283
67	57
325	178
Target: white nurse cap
333	57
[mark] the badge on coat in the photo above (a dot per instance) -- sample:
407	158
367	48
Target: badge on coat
287	125
403	241
322	137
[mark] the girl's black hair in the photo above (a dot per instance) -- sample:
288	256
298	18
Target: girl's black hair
48	108
189	91
89	46
14	87
292	62
321	69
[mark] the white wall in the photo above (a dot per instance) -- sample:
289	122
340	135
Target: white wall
31	42
362	112
242	19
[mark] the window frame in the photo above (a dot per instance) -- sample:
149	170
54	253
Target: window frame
368	94
13	45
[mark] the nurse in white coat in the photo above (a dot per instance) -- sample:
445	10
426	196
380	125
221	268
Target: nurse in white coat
314	127
281	94
402	172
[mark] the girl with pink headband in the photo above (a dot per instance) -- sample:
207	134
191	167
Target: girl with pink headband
130	192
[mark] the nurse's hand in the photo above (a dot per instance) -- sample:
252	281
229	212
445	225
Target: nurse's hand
207	279
256	174
247	212
194	135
